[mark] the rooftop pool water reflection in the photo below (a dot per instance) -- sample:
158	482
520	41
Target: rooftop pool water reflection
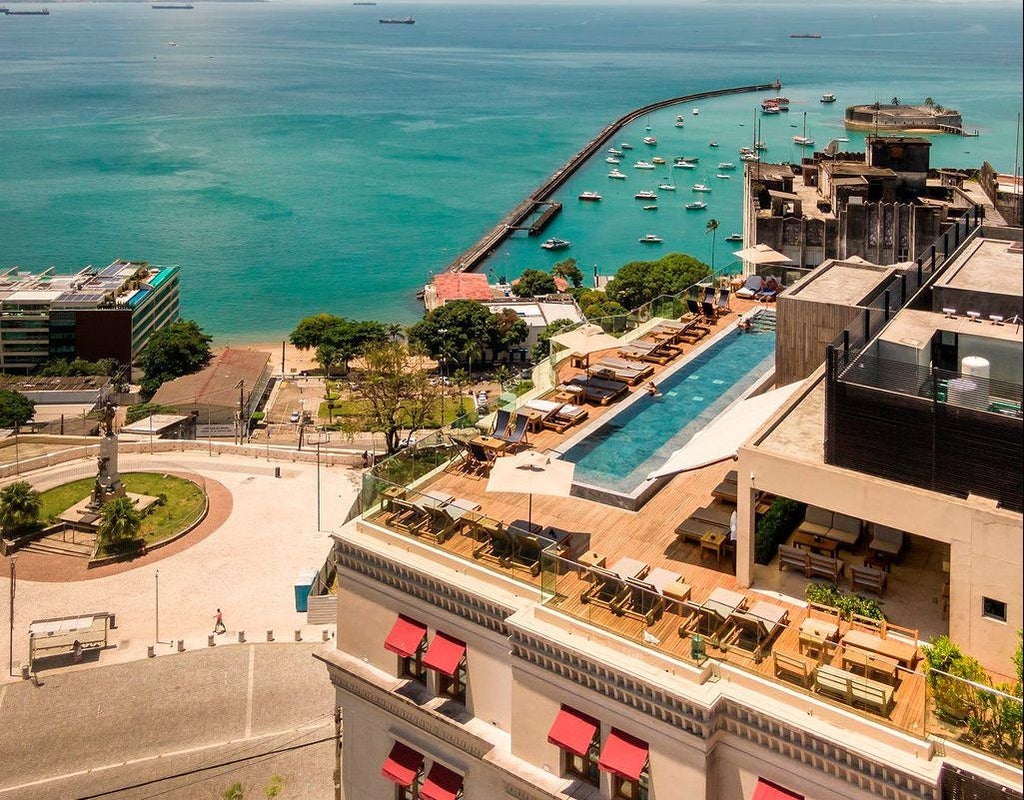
614	459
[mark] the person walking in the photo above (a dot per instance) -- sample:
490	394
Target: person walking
218	625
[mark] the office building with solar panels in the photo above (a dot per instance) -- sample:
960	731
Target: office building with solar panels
107	312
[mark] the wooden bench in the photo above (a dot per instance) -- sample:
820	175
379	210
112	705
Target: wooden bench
871	664
873	580
795	665
903	652
853	689
793	557
824	567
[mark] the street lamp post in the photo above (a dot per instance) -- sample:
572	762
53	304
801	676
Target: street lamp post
322	438
157	637
442	332
14	583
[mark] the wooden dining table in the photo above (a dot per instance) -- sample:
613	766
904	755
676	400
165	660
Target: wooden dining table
492	443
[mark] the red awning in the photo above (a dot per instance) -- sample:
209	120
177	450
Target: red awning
405	637
444	654
766	790
623	755
402	765
573	731
441	784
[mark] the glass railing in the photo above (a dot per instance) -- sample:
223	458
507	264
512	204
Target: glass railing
983	717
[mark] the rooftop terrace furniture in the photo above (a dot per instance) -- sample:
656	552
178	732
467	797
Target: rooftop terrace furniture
478	458
727	489
722	305
880	667
526	552
708	309
755	629
709	295
769	290
794	665
903	652
404	515
606	589
693	530
887	542
599	391
794	558
517	435
816	522
845	530
713	614
853	689
820	566
873	580
543	409
753	285
567	416
818	635
631	375
669	584
436	525
497	547
629	567
502	420
717	514
641	602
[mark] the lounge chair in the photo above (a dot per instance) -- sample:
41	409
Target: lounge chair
722	306
755	629
501	422
606	589
517	435
497	548
709	295
478	459
693	530
709	311
768	292
727	491
642	601
717	514
631	375
404	515
751	287
436	525
546	408
567	416
622	363
695	314
599	391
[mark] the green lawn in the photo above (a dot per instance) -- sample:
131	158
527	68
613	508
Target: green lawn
184	501
355	408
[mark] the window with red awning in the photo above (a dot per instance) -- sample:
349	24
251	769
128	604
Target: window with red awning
441	784
573	731
402	765
624	755
405	637
766	790
445	654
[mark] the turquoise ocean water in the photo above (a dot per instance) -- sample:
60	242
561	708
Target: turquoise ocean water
295	158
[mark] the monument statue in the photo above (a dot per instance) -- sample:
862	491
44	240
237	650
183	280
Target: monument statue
108	482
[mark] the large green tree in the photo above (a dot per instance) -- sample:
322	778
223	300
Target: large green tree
639	282
15	408
179	349
453	328
336	340
596	304
395	391
19	506
534	283
508	330
119	521
569	270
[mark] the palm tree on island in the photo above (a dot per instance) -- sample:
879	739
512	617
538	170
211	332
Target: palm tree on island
120	522
712	228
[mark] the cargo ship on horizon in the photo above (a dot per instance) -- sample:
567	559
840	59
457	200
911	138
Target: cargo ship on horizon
12	13
174	6
805	36
406	21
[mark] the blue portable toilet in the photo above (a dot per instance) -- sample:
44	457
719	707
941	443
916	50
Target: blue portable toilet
302	588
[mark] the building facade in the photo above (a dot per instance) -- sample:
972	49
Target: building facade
93	314
466	671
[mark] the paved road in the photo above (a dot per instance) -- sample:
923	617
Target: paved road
91	733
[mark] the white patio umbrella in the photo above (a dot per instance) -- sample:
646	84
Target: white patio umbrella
532	472
762	254
585	340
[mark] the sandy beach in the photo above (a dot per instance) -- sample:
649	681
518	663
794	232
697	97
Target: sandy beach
295	360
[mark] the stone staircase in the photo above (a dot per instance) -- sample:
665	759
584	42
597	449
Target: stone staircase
80	545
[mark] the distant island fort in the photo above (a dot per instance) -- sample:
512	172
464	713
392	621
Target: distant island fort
894	116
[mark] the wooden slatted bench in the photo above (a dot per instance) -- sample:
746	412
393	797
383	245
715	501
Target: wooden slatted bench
853	689
874	580
824	567
792	557
798	666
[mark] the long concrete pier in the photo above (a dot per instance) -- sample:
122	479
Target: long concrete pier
470	259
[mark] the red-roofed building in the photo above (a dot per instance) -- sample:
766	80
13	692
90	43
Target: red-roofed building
456	286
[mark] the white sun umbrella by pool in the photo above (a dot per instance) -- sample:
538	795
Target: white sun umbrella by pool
532	472
724	435
585	340
762	254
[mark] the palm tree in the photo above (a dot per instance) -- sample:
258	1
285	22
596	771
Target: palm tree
712	228
19	506
929	102
119	521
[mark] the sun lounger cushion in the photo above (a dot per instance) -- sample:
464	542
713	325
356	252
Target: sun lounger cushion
544	406
751	287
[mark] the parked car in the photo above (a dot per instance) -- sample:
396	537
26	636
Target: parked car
294	417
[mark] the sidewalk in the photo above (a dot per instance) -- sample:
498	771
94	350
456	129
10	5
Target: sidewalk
247	567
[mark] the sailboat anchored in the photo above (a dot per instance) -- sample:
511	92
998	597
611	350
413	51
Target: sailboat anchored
804	140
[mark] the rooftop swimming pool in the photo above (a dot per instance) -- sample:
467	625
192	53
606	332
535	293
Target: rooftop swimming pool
614	458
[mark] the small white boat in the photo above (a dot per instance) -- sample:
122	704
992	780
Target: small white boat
684	165
695	112
592	197
700	187
749	157
726	165
650	140
696	205
828	97
555	244
613	160
626	146
723	175
650	208
679	117
643	165
712	144
803	141
658	160
680	124
617	175
746	151
842	138
645	194
667	187
613	152
760	146
769	110
734	237
650	238
172	44
691	159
